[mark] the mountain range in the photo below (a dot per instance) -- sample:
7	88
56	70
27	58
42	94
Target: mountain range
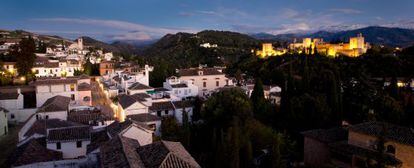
374	34
181	41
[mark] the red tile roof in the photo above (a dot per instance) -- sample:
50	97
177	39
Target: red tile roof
76	133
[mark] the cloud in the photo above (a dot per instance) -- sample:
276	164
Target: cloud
136	36
116	24
345	11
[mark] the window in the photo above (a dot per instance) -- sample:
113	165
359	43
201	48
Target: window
72	97
390	149
152	126
166	112
217	83
72	87
159	113
37	71
204	84
58	145
47	117
12	116
86	98
79	144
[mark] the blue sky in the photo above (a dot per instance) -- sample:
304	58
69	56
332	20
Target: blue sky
148	19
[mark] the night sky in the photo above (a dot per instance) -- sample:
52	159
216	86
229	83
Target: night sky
149	19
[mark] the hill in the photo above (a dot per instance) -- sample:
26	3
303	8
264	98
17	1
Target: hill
374	34
183	49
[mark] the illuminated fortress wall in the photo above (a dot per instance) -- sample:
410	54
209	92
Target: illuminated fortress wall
354	48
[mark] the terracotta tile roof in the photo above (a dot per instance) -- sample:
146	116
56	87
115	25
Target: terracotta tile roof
145	117
120	152
39	126
56	103
393	132
8	96
327	135
87	117
182	104
118	127
32	152
127	100
139	86
141	95
76	133
159	106
97	139
180	85
54	81
166	154
84	87
194	71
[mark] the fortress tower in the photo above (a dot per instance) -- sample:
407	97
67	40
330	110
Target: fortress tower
357	42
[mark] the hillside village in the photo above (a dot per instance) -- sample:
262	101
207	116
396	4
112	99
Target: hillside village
82	106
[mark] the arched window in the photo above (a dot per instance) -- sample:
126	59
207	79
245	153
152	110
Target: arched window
391	149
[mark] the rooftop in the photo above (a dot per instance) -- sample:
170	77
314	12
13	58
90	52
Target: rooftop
145	117
120	152
56	103
327	135
392	132
160	106
39	126
32	152
54	81
117	127
139	86
195	71
75	133
166	154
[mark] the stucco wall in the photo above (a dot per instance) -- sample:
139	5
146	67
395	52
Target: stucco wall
403	152
210	82
316	153
69	149
143	137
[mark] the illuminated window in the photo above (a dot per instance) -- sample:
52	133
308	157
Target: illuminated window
72	87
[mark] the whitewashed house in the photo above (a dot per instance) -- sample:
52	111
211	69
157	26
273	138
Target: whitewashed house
19	101
68	87
180	89
44	67
206	79
71	141
183	106
54	108
138	88
152	121
131	104
131	129
4	128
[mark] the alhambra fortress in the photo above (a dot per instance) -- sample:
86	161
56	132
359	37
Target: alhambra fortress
356	47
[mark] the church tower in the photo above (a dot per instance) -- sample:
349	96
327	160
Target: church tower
80	43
